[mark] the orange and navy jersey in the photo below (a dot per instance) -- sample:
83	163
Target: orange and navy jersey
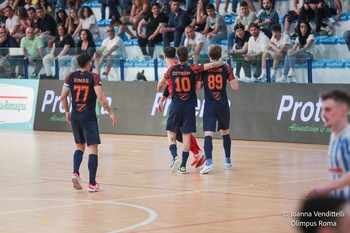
215	81
81	85
183	81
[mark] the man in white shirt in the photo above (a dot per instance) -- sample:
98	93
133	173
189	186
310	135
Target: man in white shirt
111	49
256	46
197	44
12	23
276	49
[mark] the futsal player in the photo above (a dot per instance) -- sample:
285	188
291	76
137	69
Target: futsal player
198	155
85	87
184	100
216	107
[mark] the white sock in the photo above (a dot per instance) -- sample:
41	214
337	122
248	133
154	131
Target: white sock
263	72
273	72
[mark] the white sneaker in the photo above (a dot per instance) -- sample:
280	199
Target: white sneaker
228	165
331	20
206	169
291	79
281	80
76	180
261	79
245	80
94	188
175	163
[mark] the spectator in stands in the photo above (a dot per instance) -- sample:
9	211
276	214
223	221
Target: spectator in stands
139	10
165	6
292	15
62	49
6	42
346	36
33	16
3	18
308	13
299	53
256	46
113	8
238	51
88	21
200	20
215	29
12	23
245	17
175	28
33	50
267	18
46	26
46	7
276	49
28	4
197	44
25	22
125	6
152	36
62	18
86	44
121	30
73	4
111	49
73	21
234	4
104	5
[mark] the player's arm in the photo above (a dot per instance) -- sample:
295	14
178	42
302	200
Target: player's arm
64	101
161	83
231	79
101	97
331	186
164	96
212	65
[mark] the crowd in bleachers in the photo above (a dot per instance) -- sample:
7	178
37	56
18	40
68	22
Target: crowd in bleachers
50	32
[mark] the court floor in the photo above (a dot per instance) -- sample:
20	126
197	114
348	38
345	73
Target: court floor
265	186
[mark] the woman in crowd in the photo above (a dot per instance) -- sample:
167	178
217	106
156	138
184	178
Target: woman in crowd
86	44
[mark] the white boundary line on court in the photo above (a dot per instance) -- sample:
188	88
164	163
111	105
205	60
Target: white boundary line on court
152	214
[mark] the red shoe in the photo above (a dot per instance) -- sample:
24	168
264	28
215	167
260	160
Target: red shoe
76	180
201	159
94	188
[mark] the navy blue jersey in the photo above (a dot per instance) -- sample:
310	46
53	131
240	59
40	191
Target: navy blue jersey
215	81
81	85
183	81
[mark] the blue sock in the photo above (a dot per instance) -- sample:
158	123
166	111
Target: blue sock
227	160
92	164
173	150
77	159
184	158
208	149
209	162
227	145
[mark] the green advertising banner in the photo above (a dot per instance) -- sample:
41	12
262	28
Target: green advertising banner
17	103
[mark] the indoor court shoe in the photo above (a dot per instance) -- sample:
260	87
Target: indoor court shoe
76	180
174	164
181	170
228	165
94	188
201	159
207	169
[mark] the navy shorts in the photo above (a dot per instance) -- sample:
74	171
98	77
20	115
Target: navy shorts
181	120
86	132
211	115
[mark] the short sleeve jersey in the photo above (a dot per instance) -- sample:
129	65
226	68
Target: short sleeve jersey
183	80
215	81
81	85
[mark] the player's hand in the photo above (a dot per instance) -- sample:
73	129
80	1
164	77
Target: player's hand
68	117
160	107
113	118
318	192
